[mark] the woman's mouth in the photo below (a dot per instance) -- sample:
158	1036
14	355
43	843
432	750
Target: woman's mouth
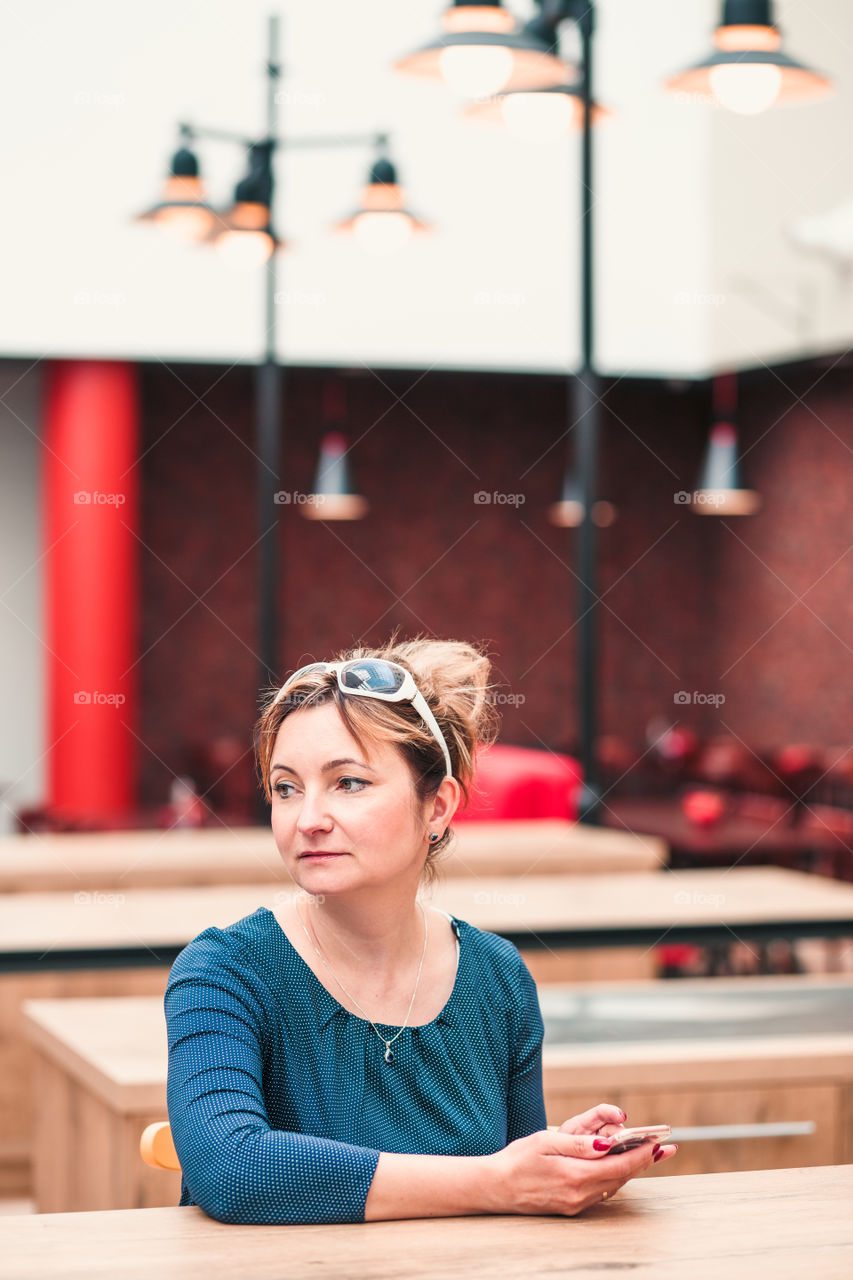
319	856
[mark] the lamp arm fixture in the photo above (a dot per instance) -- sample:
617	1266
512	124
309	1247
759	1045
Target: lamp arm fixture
553	12
377	140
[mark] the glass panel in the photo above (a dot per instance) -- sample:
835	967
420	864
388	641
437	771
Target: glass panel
622	1016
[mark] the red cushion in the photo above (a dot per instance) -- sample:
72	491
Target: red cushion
522	782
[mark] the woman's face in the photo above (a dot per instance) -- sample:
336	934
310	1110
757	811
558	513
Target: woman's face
328	795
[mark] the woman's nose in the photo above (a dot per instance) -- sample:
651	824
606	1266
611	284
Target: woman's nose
313	812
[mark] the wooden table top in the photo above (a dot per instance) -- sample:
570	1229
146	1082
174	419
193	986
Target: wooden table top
784	1223
247	855
116	1045
51	929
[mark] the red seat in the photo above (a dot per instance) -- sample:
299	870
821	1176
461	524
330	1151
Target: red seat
522	782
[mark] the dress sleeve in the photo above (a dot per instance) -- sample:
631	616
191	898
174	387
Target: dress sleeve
235	1166
525	1100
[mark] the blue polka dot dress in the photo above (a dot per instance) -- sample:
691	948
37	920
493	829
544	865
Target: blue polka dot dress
281	1102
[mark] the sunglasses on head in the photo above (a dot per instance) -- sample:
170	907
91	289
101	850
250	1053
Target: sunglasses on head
376	678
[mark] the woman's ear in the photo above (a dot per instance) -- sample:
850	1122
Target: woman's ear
444	804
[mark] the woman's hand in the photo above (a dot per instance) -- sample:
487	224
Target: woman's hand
565	1170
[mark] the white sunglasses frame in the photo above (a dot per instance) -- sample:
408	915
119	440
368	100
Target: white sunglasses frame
408	692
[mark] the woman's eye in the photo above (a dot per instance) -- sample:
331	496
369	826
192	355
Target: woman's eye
284	790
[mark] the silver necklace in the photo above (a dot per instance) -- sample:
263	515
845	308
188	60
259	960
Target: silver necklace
389	1057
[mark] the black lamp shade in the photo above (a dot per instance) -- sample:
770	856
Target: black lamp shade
747	70
721	490
333	497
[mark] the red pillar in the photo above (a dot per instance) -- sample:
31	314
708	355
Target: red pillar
91	511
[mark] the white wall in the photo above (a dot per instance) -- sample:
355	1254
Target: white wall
687	196
22	741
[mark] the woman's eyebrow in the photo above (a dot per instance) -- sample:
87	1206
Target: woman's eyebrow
330	764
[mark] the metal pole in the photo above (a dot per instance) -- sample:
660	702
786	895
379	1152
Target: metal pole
269	400
586	410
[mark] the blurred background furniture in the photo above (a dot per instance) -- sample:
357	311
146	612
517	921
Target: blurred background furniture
752	1073
120	860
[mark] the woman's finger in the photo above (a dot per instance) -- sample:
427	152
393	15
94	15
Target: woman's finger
582	1145
591	1121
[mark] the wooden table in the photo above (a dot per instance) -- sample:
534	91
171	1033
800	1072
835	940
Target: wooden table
783	1223
101	1065
223	855
150	926
735	838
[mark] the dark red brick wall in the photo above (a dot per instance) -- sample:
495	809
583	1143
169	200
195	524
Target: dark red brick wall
685	600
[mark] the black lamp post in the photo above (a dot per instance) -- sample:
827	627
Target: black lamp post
531	65
245	231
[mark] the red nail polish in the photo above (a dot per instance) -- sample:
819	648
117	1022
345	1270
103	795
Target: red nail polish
657	1157
655	1148
602	1144
623	1114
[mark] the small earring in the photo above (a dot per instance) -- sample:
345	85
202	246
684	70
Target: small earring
433	837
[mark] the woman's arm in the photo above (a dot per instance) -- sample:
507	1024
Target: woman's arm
235	1166
411	1186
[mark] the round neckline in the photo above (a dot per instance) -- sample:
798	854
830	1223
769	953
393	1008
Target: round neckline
443	1016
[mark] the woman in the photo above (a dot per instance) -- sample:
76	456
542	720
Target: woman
357	1054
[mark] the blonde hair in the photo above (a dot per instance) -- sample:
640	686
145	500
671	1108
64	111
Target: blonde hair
453	677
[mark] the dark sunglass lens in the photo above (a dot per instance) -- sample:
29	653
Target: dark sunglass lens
372	674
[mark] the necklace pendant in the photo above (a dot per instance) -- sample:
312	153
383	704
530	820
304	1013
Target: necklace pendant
389	1057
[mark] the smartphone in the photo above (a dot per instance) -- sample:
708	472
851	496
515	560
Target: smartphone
635	1137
